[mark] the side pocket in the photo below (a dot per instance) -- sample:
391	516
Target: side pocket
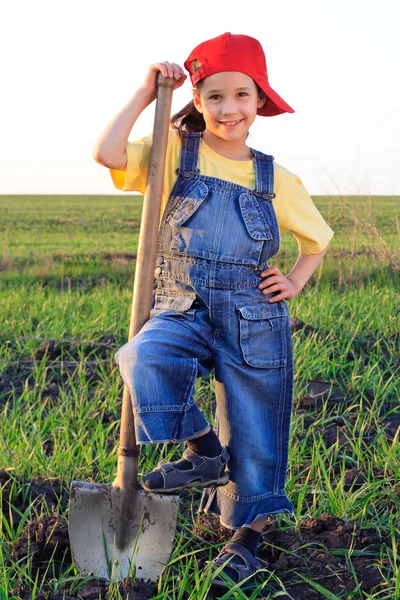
178	306
263	331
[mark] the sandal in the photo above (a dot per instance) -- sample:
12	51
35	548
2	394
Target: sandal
205	472
238	558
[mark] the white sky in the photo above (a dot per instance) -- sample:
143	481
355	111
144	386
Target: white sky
68	67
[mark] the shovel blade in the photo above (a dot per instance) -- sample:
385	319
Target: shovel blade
111	534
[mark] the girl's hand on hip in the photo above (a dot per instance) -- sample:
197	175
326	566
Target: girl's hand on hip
168	70
275	281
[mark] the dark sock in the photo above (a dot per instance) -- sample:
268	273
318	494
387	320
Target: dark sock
246	537
205	445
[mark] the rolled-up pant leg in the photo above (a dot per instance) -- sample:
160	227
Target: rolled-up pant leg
253	418
160	366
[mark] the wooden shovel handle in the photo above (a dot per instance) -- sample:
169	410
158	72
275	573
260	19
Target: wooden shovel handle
147	250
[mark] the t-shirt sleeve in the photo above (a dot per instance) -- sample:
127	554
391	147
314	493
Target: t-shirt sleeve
304	221
135	177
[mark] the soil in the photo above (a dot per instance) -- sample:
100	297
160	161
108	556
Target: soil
312	549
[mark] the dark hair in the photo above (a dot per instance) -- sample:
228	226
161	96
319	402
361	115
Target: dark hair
190	119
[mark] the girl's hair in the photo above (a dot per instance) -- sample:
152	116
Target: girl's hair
189	118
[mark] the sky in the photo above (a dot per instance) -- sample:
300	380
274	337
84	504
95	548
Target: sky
69	67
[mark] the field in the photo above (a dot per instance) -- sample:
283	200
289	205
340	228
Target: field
66	277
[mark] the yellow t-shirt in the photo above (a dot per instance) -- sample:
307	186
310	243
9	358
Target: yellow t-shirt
294	208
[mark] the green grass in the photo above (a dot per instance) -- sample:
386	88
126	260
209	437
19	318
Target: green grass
66	272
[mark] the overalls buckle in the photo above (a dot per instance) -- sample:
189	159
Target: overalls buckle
267	197
184	174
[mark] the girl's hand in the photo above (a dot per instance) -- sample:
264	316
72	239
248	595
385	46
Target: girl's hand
168	70
275	281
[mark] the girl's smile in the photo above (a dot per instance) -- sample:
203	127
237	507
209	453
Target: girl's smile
231	124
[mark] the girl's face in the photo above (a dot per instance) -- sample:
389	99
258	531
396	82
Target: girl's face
228	101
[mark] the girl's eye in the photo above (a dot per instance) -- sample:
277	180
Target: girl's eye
218	96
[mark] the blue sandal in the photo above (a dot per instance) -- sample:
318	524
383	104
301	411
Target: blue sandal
239	559
206	472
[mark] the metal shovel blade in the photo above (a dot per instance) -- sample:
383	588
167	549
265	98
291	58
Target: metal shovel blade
113	533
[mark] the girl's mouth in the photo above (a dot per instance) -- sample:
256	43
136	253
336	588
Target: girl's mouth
231	124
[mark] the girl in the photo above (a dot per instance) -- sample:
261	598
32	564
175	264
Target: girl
216	303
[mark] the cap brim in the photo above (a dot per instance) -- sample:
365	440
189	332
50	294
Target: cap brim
275	105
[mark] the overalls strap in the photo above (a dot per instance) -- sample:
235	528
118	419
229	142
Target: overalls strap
264	174
189	154
263	164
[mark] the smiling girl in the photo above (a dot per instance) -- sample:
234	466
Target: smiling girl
217	304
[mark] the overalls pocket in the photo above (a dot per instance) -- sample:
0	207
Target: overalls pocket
188	204
253	217
263	330
179	306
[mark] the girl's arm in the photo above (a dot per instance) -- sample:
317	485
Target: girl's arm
110	148
304	267
291	285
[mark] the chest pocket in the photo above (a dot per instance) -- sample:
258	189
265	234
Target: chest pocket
188	204
254	218
227	228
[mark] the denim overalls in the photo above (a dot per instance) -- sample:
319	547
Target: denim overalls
215	237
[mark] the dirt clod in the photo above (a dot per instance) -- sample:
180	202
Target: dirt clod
42	541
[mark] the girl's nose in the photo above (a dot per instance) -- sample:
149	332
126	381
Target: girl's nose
229	109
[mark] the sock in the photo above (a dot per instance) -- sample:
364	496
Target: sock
247	537
205	445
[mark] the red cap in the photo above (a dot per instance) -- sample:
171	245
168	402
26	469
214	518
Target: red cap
241	53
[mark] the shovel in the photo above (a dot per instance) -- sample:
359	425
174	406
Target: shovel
120	530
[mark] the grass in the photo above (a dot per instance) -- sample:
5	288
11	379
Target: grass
67	268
